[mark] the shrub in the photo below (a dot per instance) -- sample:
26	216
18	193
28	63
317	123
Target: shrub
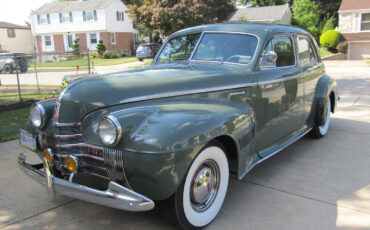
101	47
107	55
329	25
114	56
76	47
330	39
342	47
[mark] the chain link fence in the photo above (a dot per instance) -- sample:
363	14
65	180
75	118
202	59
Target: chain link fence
37	76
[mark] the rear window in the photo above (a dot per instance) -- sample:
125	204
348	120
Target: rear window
143	47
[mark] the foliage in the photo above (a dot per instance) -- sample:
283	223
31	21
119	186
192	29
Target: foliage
110	55
168	16
101	47
76	47
262	2
63	85
330	39
342	47
329	25
329	7
306	15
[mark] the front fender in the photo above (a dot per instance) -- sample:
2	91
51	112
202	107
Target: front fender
160	141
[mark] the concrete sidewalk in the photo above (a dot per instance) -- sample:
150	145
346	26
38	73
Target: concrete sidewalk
313	184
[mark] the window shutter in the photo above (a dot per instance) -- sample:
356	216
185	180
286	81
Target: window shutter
123	16
60	17
117	14
38	19
48	17
70	17
95	16
84	15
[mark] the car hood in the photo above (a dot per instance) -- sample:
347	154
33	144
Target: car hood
91	93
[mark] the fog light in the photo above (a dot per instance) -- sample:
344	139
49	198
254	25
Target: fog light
71	163
48	155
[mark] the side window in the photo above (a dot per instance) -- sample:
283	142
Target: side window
305	51
283	47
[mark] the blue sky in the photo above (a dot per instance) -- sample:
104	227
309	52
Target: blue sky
18	11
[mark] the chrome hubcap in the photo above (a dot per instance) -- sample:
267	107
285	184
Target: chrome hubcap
204	185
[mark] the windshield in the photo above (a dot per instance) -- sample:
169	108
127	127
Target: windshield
179	48
226	47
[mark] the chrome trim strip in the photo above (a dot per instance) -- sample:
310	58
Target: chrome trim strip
82	156
293	139
72	124
113	161
66	146
281	79
187	92
116	196
65	136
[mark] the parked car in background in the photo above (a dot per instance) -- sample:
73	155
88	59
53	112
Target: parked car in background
147	50
218	99
8	65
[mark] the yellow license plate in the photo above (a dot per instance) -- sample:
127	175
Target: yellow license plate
27	140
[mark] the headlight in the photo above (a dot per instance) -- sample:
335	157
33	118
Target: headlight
37	115
110	130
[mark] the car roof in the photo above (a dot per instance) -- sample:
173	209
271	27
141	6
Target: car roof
258	29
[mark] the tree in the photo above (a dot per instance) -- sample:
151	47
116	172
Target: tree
76	47
262	2
306	14
101	47
168	16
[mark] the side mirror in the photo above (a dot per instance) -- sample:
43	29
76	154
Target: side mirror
268	60
271	57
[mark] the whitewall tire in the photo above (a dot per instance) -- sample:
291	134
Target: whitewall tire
322	130
201	195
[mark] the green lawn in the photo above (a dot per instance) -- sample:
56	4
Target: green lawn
83	62
324	52
11	122
10	96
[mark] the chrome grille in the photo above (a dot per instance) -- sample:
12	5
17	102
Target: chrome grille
113	161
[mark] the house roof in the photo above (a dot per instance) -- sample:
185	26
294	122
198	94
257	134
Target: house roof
354	5
71	6
12	26
265	13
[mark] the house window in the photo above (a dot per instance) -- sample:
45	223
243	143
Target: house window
47	40
120	16
43	18
93	39
65	17
113	38
365	21
90	15
11	33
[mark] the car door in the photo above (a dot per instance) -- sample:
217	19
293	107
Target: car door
281	98
311	69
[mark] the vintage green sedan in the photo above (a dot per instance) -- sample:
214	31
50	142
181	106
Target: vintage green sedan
218	99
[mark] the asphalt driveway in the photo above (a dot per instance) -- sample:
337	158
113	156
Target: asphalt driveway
313	184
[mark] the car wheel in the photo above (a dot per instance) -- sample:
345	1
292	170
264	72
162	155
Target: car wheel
200	196
8	69
24	70
321	130
141	59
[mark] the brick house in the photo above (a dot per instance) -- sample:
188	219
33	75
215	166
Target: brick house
354	24
15	38
56	25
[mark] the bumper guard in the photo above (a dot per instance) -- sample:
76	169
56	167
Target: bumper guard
116	196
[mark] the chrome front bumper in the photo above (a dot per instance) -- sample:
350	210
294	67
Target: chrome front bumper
116	196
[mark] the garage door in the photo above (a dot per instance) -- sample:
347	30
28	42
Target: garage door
358	51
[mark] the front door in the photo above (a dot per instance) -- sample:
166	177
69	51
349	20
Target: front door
281	98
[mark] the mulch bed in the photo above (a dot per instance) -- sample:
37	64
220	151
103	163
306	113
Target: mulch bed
20	105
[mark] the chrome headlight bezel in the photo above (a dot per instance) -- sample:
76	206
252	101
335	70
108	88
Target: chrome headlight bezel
41	113
116	130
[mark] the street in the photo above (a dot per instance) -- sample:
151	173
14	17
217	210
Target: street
312	184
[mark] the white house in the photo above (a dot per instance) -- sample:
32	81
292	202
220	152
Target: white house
354	25
280	14
15	38
56	25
